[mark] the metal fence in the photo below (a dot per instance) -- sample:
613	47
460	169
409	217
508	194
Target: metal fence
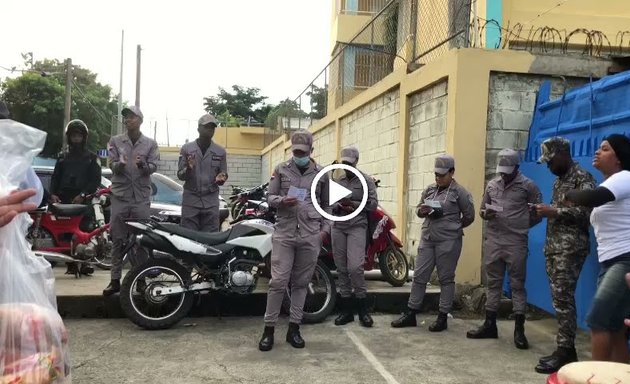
401	33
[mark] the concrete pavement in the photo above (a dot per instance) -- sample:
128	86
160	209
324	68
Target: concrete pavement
213	350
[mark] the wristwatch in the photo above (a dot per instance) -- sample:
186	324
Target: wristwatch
82	195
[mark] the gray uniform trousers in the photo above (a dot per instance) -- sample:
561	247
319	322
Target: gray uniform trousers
444	256
496	260
201	219
121	210
348	245
293	260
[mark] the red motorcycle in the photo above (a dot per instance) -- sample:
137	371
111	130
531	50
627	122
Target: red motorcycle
384	249
59	233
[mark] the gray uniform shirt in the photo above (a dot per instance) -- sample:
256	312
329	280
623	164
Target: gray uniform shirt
458	212
355	186
511	226
130	183
303	216
200	188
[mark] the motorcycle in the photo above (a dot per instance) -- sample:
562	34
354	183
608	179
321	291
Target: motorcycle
57	233
159	293
240	196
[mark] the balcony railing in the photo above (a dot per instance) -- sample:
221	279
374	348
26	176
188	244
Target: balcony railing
360	7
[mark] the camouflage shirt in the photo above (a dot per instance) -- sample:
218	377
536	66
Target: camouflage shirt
568	233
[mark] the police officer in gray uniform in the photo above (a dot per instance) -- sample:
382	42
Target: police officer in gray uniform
203	168
133	158
297	238
349	241
447	208
508	206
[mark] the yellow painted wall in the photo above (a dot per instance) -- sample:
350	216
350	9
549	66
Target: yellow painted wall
236	140
467	72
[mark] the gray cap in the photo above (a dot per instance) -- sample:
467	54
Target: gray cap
551	147
443	164
133	109
350	155
207	119
302	140
507	160
4	111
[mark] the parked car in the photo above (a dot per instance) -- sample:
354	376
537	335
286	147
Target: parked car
170	192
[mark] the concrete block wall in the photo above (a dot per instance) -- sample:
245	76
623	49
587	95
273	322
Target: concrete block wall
324	146
427	139
373	128
167	165
511	103
265	172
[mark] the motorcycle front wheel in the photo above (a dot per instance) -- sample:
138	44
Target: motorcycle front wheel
394	266
142	295
321	296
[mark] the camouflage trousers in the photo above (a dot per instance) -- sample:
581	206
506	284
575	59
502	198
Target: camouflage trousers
563	271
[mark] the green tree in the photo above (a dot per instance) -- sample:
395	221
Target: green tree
240	104
286	108
318	102
37	98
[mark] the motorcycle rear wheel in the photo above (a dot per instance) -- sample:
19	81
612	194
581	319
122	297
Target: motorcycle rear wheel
150	311
394	266
318	305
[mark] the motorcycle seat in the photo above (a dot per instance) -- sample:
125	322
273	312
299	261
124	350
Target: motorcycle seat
68	209
212	238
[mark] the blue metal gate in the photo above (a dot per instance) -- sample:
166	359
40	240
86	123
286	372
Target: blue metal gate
584	115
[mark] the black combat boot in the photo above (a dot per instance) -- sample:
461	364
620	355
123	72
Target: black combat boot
346	314
488	329
293	336
440	323
561	357
113	287
266	341
364	317
408	319
519	332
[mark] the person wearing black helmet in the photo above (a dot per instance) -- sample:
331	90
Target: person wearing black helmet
77	174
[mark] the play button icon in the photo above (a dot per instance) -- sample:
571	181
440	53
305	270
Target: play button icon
337	192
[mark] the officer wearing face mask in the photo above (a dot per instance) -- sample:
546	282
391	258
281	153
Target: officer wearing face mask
447	208
509	209
297	239
349	242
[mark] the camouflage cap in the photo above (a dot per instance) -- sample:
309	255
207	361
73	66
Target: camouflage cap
350	155
302	140
207	119
551	147
443	164
133	109
507	160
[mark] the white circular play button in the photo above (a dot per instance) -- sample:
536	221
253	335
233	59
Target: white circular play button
337	192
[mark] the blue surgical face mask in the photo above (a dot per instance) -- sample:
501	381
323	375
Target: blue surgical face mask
301	161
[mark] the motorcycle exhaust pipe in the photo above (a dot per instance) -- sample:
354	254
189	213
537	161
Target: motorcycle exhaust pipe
55	257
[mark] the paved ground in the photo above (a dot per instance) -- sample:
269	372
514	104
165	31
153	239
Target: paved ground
212	350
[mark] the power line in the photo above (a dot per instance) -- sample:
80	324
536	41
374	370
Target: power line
85	98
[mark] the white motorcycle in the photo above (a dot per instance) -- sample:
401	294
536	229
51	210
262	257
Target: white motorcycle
183	262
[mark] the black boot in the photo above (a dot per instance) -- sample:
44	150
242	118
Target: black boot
293	336
345	311
73	269
488	329
266	341
561	357
408	319
544	359
519	332
440	323
364	317
113	287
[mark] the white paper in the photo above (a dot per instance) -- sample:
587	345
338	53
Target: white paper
298	193
495	208
432	204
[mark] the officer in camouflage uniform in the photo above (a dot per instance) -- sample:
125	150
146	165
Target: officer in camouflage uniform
566	246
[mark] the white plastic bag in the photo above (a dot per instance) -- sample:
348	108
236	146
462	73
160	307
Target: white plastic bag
33	339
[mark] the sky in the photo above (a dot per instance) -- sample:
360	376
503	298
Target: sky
189	48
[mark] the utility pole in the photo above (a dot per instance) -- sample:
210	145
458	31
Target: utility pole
68	102
168	142
120	89
138	68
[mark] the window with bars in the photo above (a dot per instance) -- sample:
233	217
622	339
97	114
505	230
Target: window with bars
370	67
